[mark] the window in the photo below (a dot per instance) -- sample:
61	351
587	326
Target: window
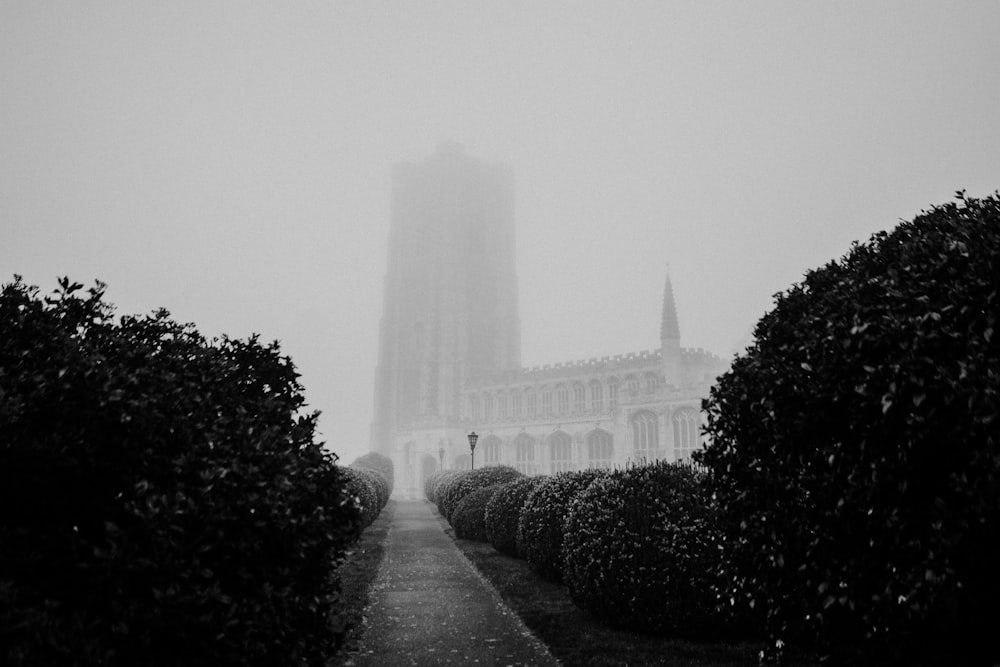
532	400
685	434
561	447
515	404
491	450
474	407
563	394
524	454
613	394
600	449
646	436
632	385
546	402
652	382
502	406
488	407
596	397
579	398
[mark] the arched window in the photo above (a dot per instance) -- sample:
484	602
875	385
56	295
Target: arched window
491	450
561	447
488	407
652	382
686	438
632	385
645	436
531	401
563	394
515	403
546	402
596	397
613	394
502	406
579	398
474	407
524	454
600	449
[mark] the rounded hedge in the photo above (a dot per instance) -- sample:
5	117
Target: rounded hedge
643	553
381	464
367	488
441	487
469	517
470	480
429	483
503	513
161	496
541	525
855	447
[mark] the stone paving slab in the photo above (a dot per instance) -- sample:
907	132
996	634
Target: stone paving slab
430	606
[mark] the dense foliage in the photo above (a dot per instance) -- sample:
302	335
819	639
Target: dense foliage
541	526
380	465
162	502
503	513
854	448
469	517
643	551
430	482
468	481
441	486
367	489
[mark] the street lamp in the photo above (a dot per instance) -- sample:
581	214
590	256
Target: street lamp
441	458
472	446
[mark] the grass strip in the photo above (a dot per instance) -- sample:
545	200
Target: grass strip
357	574
576	638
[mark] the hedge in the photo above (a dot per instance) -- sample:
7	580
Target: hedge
503	513
855	448
161	497
469	518
470	480
541	525
644	552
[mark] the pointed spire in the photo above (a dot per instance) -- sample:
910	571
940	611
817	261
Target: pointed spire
669	327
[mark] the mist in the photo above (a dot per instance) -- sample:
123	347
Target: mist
232	162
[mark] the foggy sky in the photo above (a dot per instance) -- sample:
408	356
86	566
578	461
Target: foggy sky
231	161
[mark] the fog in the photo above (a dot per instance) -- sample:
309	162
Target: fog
231	162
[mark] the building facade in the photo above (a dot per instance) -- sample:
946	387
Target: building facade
449	349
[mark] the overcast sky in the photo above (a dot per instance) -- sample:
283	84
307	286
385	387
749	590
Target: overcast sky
231	161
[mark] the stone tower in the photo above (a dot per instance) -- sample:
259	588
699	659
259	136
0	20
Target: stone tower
450	305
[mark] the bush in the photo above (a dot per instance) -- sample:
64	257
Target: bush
643	552
366	489
430	482
504	511
471	480
441	487
542	523
382	465
854	448
469	518
160	496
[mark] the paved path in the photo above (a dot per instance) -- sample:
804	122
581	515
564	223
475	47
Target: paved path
430	606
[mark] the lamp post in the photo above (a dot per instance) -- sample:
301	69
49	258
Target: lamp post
441	458
472	447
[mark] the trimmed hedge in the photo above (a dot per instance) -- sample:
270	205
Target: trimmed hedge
469	518
855	451
542	522
468	481
160	495
429	483
366	489
503	513
643	552
380	464
441	486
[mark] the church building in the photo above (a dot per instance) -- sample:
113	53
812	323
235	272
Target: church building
449	349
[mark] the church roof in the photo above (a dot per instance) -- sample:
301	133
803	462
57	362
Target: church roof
669	327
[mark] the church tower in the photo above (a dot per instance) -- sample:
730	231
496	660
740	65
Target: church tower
670	338
450	307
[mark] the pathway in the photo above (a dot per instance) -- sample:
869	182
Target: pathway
430	606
